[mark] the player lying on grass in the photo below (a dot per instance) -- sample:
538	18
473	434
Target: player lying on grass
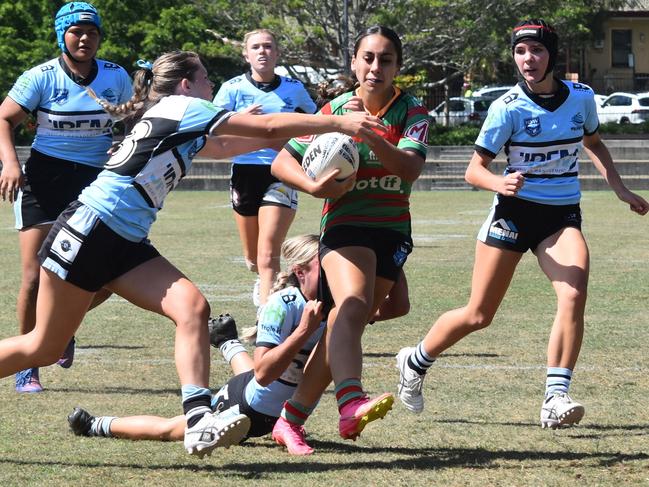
288	329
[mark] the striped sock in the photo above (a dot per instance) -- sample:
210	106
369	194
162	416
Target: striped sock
230	348
196	402
419	360
101	426
557	380
296	413
347	391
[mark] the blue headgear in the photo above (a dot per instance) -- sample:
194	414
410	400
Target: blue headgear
74	13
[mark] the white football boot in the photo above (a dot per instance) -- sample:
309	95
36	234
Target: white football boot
559	410
410	383
216	430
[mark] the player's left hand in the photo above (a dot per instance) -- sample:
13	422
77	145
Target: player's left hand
636	202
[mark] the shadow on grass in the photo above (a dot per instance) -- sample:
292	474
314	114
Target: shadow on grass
445	355
109	346
640	428
420	459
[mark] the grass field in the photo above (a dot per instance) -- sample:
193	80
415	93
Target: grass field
480	426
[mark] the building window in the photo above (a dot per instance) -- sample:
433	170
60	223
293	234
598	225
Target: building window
621	40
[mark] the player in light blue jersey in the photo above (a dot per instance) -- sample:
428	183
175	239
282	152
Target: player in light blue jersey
541	123
264	207
73	135
101	240
289	327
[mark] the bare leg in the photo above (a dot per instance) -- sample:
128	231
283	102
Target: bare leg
355	290
492	273
248	227
60	308
158	286
274	222
30	241
564	259
153	428
396	303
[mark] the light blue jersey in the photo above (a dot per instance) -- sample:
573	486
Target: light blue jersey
70	124
542	138
150	162
280	317
281	95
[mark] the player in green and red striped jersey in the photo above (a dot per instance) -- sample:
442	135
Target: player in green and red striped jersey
365	230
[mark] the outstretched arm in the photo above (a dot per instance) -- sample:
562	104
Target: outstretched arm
285	125
226	146
601	157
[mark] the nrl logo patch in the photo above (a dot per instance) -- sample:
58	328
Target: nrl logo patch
533	126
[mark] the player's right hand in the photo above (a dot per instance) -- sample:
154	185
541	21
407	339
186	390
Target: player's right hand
11	180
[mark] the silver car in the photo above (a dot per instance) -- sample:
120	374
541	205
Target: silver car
461	111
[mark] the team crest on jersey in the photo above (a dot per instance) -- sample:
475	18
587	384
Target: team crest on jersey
109	95
247	100
305	139
533	126
60	96
111	66
418	132
577	121
288	104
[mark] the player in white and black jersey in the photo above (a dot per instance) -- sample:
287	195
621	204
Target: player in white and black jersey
73	135
264	207
101	240
541	123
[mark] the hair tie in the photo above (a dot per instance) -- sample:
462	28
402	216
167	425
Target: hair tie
141	63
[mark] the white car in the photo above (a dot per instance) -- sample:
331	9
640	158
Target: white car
492	92
461	111
624	108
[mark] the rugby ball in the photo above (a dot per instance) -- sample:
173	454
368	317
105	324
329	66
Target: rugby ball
328	152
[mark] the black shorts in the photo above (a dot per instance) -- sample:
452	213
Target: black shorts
83	251
519	225
234	393
391	248
51	184
253	186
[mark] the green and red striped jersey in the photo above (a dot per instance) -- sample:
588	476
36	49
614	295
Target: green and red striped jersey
379	199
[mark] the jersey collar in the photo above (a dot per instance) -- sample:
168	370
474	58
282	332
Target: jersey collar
386	107
80	80
548	103
265	87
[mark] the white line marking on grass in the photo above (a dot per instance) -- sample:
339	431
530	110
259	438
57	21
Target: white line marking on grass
93	356
589	368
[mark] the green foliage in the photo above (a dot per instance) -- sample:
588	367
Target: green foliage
624	128
455	135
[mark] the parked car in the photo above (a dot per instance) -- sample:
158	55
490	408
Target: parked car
461	110
599	99
624	108
492	92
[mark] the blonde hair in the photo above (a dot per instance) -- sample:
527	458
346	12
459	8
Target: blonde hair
248	35
297	252
149	85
